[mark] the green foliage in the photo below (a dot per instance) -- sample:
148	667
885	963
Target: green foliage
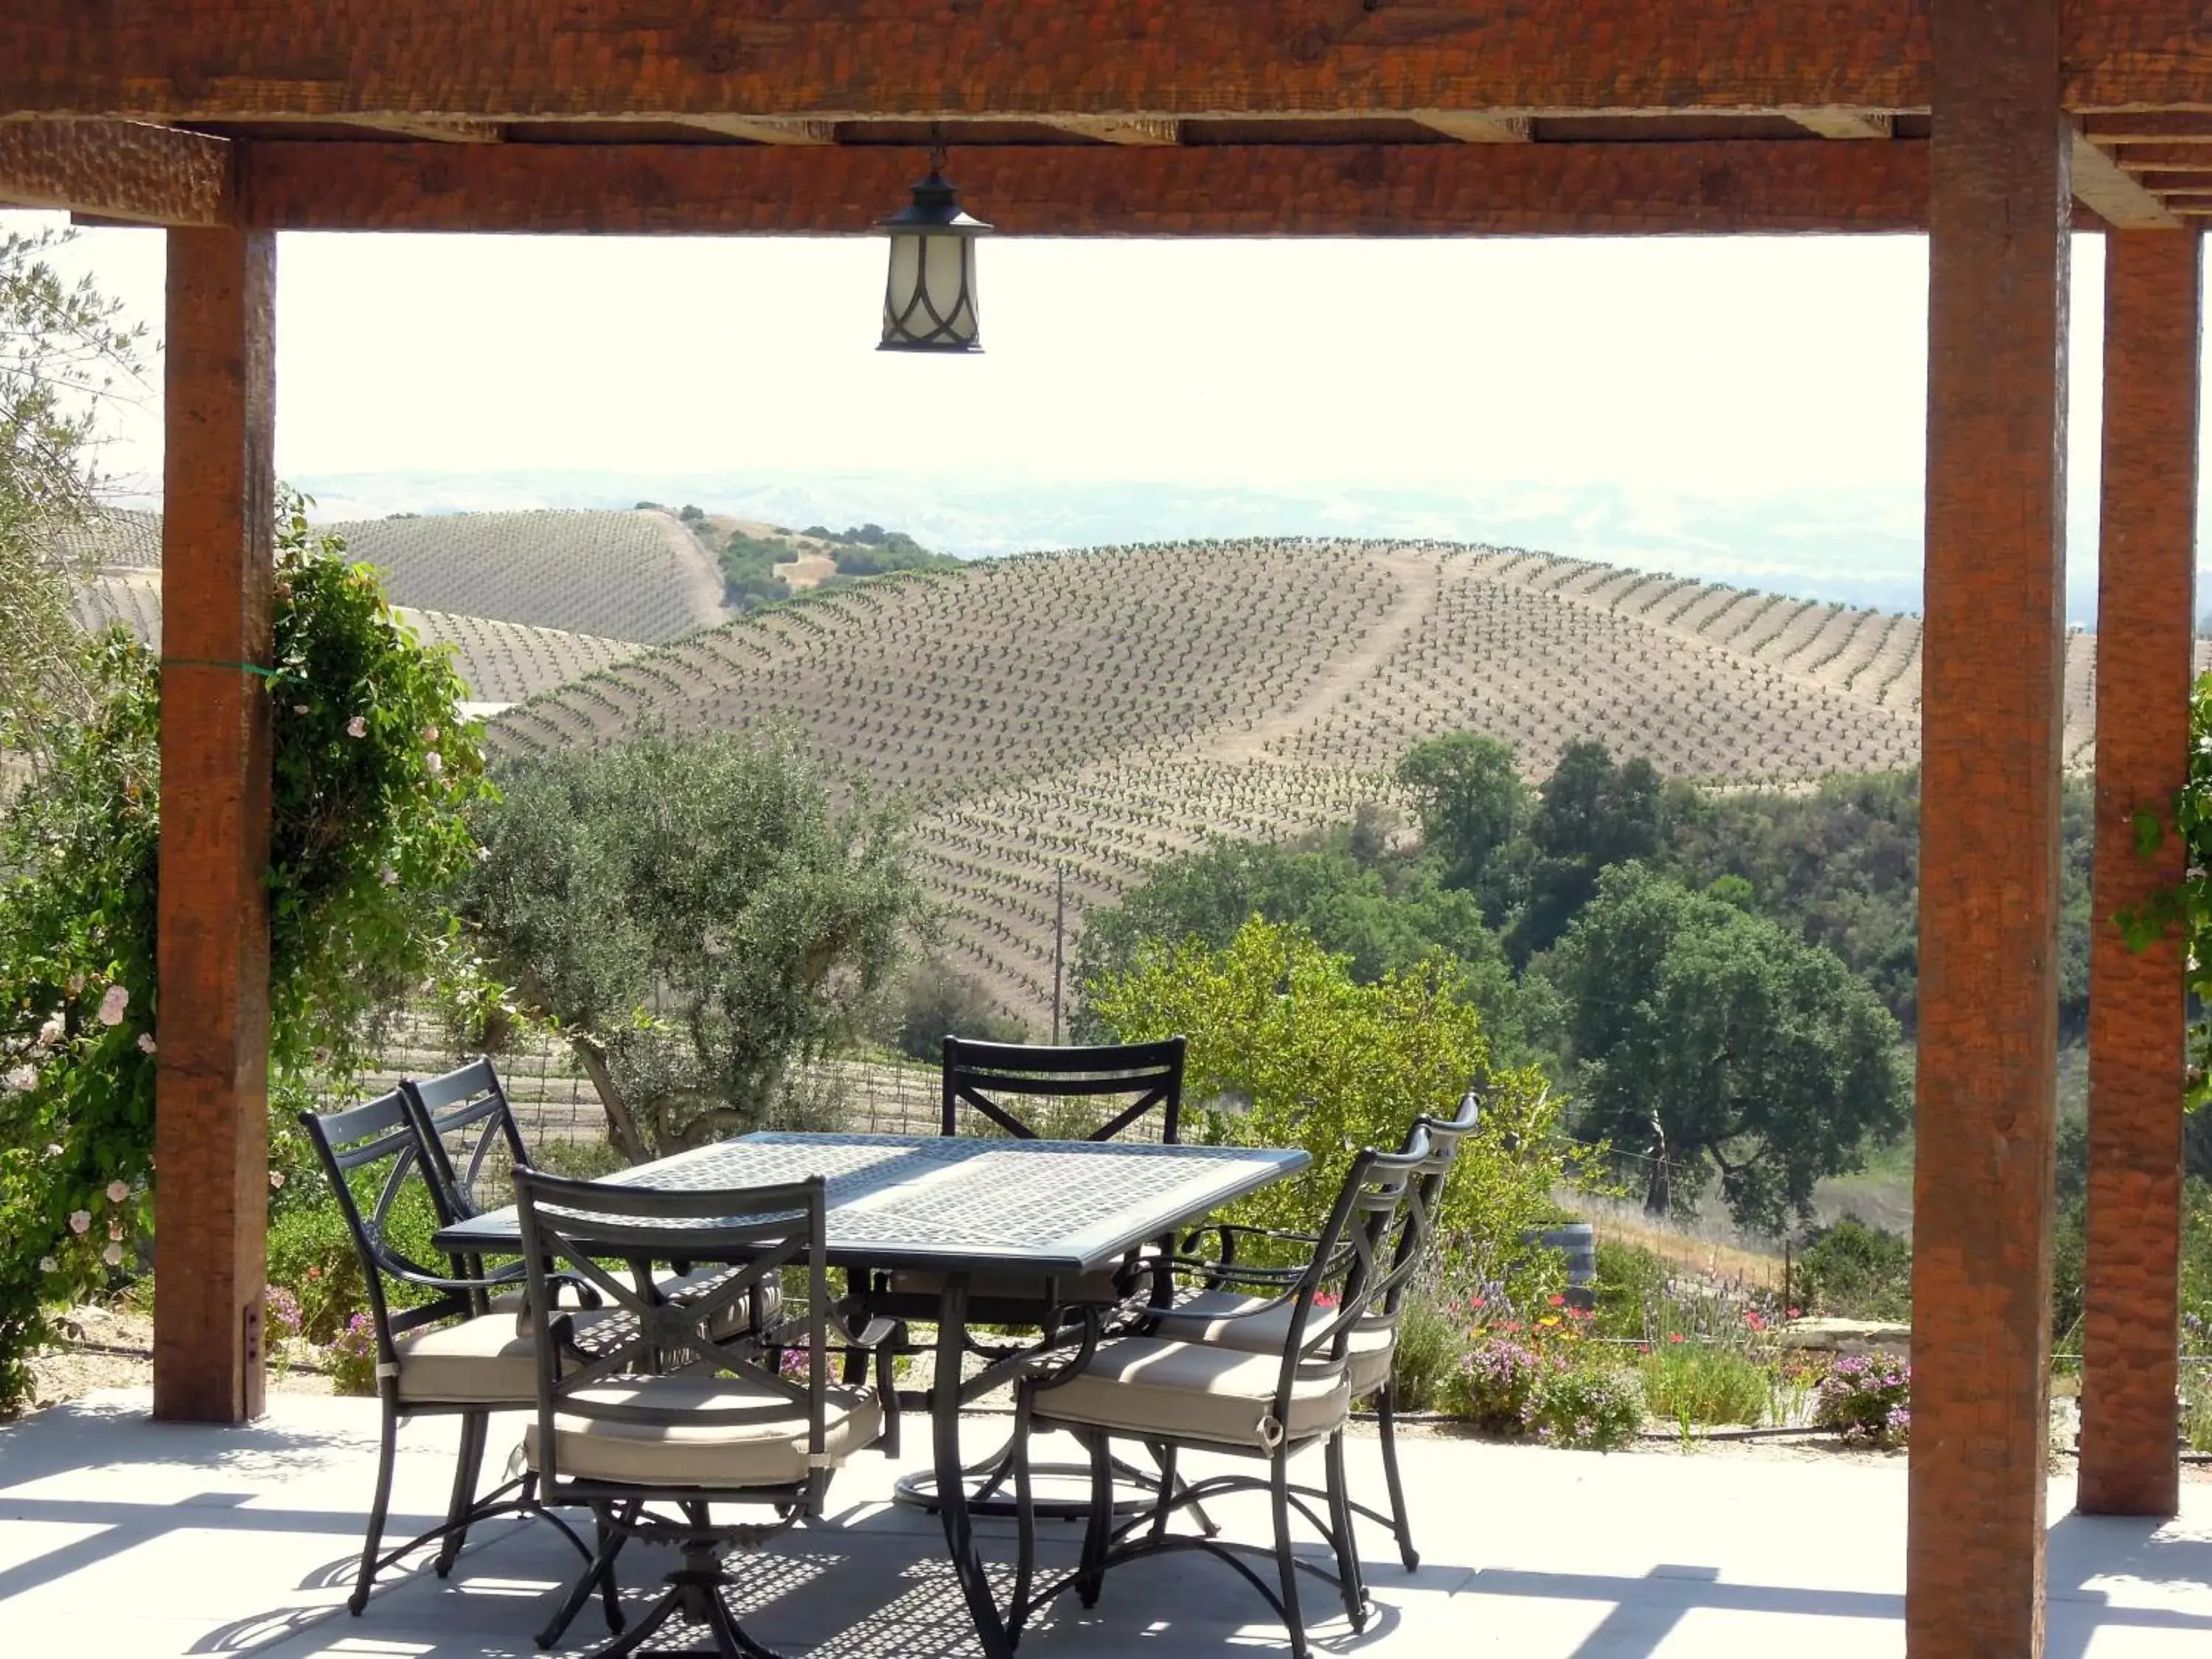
61	349
1632	1281
1711	1040
699	913
1592	813
1431	1340
371	777
1589	1407
1471	802
1385	915
1852	1271
939	1001
1287	1048
1704	1383
311	1254
749	578
2184	911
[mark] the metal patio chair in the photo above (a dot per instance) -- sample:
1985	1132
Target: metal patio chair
1170	1395
650	1454
448	1357
985	1085
1221	1314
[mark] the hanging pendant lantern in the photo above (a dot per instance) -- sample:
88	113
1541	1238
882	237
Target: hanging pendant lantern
929	297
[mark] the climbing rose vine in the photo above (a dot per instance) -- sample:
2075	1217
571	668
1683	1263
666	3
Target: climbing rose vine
372	768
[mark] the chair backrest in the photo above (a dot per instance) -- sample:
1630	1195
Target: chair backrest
1359	1265
465	1122
982	1076
1424	1199
578	1226
379	1136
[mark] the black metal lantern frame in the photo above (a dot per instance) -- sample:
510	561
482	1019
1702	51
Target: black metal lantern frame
929	292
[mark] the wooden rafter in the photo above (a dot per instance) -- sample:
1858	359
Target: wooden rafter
2120	201
1478	126
247	59
759	130
1098	190
1120	129
1845	122
128	172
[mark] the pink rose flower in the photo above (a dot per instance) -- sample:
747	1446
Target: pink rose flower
357	727
118	1191
112	1256
112	1004
80	1221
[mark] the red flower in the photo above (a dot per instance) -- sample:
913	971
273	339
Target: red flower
1557	1300
1791	1314
1676	1336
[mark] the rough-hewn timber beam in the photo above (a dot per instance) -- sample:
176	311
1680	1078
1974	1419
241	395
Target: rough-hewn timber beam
2145	612
1097	190
239	60
116	170
1991	693
2151	127
2120	201
210	1092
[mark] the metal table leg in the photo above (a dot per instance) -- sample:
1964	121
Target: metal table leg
952	1489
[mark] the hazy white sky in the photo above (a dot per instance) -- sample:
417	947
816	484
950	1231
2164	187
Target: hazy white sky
1716	367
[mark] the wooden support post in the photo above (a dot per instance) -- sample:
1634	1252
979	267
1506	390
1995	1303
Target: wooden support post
1991	688
2146	621
211	1132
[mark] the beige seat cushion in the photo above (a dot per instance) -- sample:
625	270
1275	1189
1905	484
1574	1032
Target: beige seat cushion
482	1359
1204	1318
770	1450
1015	1286
1142	1385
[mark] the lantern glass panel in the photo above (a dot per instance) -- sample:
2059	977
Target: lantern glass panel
929	296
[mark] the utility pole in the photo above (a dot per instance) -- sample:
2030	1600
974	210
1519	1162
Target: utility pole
1059	938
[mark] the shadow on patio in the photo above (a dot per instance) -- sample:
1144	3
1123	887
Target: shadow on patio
122	1536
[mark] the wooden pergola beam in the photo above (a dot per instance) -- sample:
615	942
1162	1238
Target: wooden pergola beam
210	1091
1991	705
1097	190
129	172
246	59
2146	620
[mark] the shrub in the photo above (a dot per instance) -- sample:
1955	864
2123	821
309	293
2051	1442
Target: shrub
1591	1406
1430	1342
1855	1271
366	836
353	1357
1866	1397
1702	1384
937	1001
1495	1382
1632	1283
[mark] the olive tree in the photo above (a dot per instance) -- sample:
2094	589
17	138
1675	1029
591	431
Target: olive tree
697	911
63	349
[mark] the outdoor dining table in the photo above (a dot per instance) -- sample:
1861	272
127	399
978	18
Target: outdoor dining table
960	1207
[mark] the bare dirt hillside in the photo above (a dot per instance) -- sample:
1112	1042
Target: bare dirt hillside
1106	709
637	576
503	662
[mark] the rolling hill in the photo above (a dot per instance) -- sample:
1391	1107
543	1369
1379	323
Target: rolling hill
640	577
1106	709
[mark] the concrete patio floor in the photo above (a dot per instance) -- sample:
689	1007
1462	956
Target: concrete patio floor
120	1536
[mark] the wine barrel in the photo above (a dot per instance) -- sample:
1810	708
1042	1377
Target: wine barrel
1577	1241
